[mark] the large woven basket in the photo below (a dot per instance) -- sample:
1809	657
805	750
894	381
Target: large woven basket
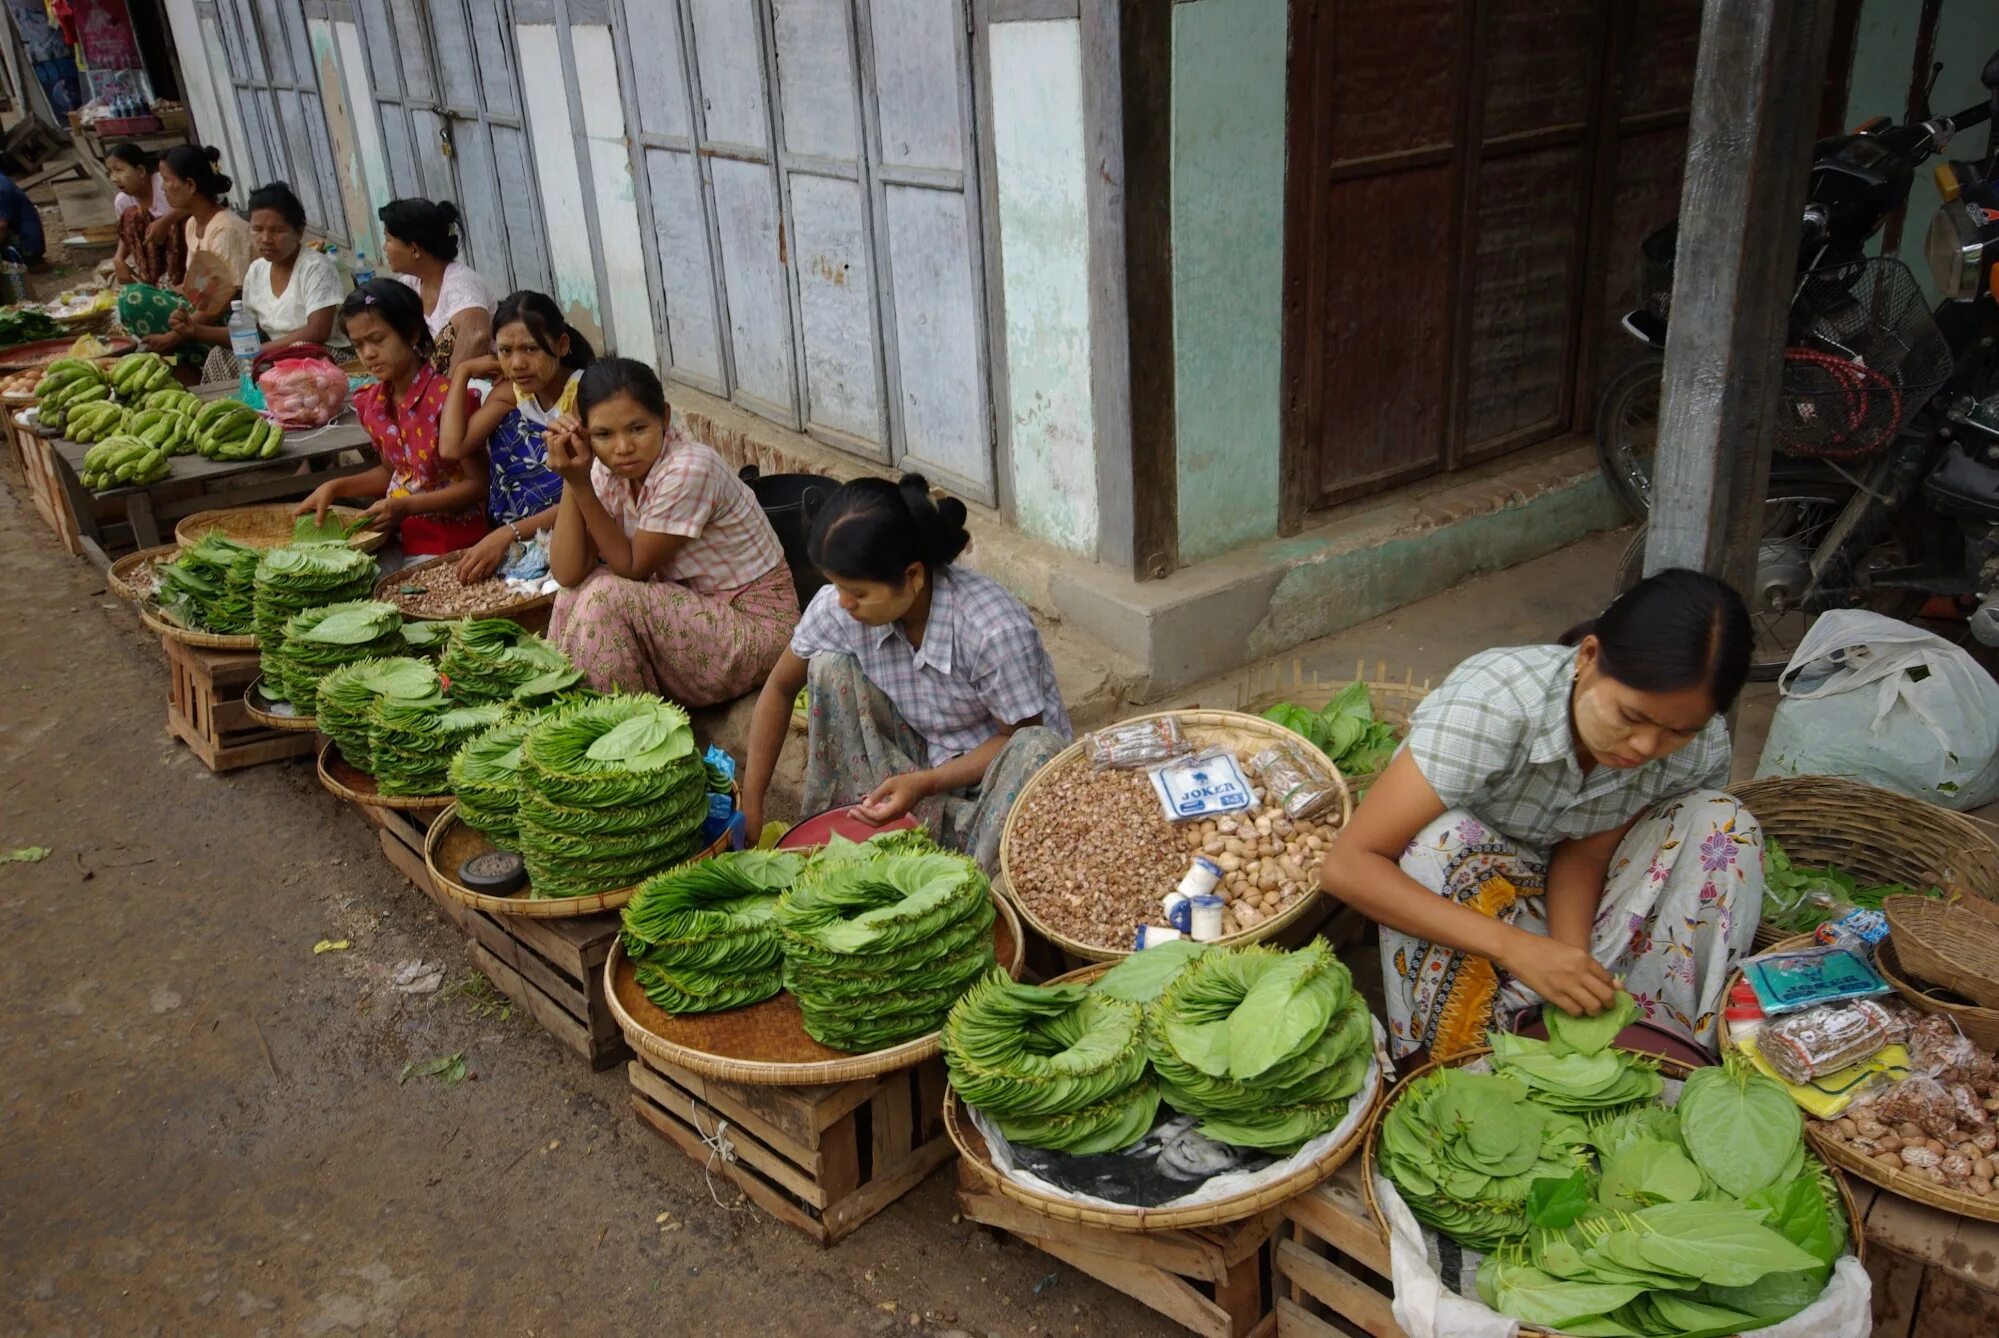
260	708
1204	728
1949	944
131	577
1980	1024
1876	835
1393	699
270	526
506	603
343	780
151	615
450	843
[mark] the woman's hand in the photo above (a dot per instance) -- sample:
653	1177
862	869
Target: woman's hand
387	511
122	271
478	369
482	559
1565	976
893	798
159	230
179	319
316	502
753	817
164	343
568	454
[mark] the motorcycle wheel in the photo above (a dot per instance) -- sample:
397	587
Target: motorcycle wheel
1795	518
1627	431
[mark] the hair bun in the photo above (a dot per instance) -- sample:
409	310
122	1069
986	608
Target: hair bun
940	522
210	152
448	212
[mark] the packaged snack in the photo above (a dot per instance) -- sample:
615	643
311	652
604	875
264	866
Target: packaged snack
1787	982
1801	1046
1205	785
1135	744
1292	782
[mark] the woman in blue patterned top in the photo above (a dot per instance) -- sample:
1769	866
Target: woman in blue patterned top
537	359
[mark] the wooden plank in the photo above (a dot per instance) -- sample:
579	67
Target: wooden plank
1145	46
840	1156
1239	1296
1240	1239
554	1019
1294	1321
1347	1296
759	1191
787	1168
1176	1252
1898	1286
1966	1249
569	993
803	1112
892	1128
575	944
1337	1213
1952	1308
1164	1292
412	868
882	1190
724	1097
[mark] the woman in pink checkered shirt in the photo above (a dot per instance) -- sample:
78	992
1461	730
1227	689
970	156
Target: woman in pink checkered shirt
673	580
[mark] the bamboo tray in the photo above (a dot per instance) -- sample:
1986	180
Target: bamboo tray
1981	1025
512	606
131	577
1204	728
977	1156
1392	700
450	843
269	526
260	709
358	787
150	615
766	1043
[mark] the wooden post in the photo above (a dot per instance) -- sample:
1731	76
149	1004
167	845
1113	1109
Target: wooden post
1756	89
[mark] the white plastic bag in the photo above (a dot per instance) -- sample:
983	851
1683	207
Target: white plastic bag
1876	700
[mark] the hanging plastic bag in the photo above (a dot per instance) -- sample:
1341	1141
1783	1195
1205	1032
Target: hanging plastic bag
303	391
1877	700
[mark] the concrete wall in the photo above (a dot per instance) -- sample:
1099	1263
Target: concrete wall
1228	268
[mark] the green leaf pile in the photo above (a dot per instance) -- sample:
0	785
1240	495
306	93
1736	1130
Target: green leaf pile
485	779
209	587
488	659
703	937
1798	899
1344	729
345	700
292	579
428	637
320	640
412	741
876	950
612	791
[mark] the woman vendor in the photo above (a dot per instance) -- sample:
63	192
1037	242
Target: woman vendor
673	580
930	689
420	242
219	250
291	290
1556	824
152	248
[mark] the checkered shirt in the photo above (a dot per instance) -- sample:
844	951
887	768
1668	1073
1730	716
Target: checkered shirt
981	666
1494	740
690	492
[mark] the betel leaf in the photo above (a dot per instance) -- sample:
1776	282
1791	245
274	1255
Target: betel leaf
1740	1127
309	530
1558	1203
1691	1317
1643	1172
1281	1014
640	734
1568	1032
1143	976
351	625
1724	1244
1528	1294
1797	1210
1772	1297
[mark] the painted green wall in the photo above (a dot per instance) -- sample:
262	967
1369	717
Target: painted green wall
1228	268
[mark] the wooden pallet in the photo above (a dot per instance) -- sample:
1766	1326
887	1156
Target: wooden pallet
205	709
1332	1264
1936	1275
1211	1281
822	1160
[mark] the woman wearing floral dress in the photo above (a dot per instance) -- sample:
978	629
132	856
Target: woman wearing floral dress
1556	824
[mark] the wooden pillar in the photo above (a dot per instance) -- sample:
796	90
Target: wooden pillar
1756	94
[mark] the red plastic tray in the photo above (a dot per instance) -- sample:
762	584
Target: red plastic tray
820	828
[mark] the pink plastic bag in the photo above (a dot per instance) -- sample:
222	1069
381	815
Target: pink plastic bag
304	392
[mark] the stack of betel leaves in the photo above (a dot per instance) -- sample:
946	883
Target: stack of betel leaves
877	949
703	937
485	779
298	577
210	586
428	639
1705	1217
1575	1069
490	659
320	640
411	741
612	791
344	701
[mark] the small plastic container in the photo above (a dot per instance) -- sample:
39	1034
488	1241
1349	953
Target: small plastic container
1206	917
496	873
1151	936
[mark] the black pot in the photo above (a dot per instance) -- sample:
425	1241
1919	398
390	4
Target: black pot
791	503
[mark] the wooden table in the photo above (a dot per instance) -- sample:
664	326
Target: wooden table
1936	1275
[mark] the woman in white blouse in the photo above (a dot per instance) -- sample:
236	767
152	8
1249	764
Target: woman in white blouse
420	241
290	289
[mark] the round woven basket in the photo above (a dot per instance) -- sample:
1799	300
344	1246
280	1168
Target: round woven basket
972	1146
507	604
1204	729
1672	1068
358	787
258	707
150	615
1392	699
1980	1024
131	577
269	526
765	1043
450	843
1876	835
1951	944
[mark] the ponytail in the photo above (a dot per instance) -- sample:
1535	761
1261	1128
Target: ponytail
1674	630
874	530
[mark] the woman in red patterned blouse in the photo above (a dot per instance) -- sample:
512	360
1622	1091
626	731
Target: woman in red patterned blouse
440	504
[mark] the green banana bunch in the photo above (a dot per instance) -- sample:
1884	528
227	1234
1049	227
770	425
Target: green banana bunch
68	384
178	398
162	427
139	375
124	461
232	430
94	422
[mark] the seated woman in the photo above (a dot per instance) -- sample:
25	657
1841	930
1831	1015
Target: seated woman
290	289
931	690
219	251
438	503
674	581
539	362
1557	820
420	242
152	248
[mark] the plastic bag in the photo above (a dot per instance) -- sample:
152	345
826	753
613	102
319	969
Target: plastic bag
1879	701
304	392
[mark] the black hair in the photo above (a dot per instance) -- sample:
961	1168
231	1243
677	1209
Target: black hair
128	152
544	321
394	302
1674	630
430	227
872	530
278	198
197	166
609	377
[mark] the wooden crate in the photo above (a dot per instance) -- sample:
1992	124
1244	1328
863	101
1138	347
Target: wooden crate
402	833
1936	1275
1213	1281
1332	1264
205	709
822	1160
45	486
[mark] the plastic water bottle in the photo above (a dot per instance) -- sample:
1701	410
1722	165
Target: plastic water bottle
245	343
363	271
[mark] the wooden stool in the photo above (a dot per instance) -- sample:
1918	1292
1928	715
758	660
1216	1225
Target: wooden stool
1332	1263
205	709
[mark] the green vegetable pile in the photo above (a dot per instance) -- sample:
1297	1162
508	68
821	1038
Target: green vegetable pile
485	779
1797	900
209	586
298	577
21	324
412	741
490	659
1344	729
612	791
344	704
1575	1070
877	949
428	638
703	937
320	640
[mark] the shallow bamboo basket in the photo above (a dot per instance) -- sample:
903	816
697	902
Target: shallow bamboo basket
1876	835
977	1156
1393	700
151	616
450	843
253	706
765	1043
269	525
513	606
356	786
1204	729
131	577
1947	943
1980	1024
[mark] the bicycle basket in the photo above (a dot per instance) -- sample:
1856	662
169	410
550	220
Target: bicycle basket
1864	354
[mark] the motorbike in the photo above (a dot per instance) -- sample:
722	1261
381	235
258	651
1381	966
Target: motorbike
1884	479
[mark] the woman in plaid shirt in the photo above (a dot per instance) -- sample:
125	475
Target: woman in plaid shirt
931	692
1556	821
